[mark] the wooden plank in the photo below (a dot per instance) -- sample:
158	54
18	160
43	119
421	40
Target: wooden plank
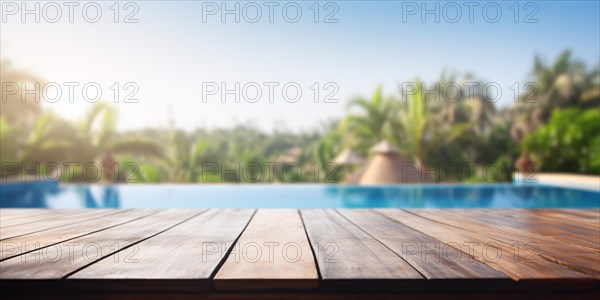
592	214
33	216
588	216
41	219
6	218
577	258
527	268
183	258
272	253
61	259
25	243
445	267
362	235
348	258
568	230
12	213
553	217
47	224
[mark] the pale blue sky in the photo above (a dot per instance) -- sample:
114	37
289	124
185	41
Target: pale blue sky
170	52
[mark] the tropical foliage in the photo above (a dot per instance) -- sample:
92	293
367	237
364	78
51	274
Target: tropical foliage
556	120
569	142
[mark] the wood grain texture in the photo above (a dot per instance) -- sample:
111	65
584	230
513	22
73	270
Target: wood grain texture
566	228
181	252
60	260
527	268
348	258
55	220
444	266
14	214
520	235
41	220
587	216
182	258
272	253
41	239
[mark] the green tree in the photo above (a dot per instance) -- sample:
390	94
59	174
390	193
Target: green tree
421	131
15	108
96	137
373	124
93	138
569	142
564	83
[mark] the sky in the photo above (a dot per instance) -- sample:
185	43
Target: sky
180	56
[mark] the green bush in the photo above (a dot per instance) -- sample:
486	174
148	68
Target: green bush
569	142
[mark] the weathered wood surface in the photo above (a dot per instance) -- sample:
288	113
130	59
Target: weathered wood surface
272	253
60	260
21	216
54	220
41	238
185	257
378	250
444	266
349	258
527	268
543	244
561	227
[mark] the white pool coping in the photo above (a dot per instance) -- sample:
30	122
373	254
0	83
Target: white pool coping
588	182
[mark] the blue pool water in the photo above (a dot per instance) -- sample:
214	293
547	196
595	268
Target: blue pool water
52	195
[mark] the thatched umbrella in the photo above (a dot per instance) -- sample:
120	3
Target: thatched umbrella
387	166
348	158
384	147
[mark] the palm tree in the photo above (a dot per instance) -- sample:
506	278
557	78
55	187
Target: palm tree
564	83
55	140
413	120
190	160
102	142
49	140
371	126
423	127
14	108
474	106
328	147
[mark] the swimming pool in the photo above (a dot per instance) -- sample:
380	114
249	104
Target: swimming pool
52	195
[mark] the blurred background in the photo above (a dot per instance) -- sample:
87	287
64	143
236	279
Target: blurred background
378	84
